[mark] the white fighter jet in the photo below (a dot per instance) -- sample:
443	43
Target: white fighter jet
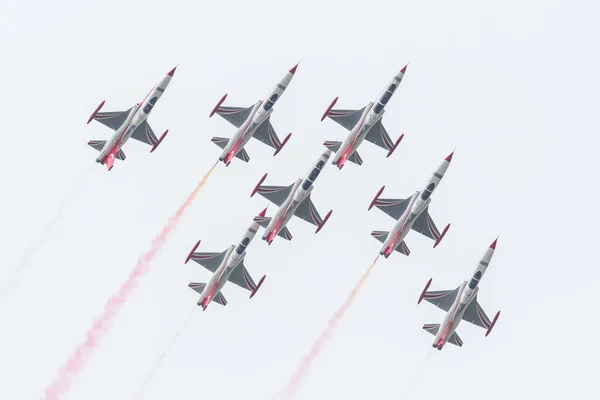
227	266
460	304
411	213
252	122
292	200
365	123
130	123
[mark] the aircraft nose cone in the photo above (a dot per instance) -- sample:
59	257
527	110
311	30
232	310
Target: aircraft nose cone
293	69
171	72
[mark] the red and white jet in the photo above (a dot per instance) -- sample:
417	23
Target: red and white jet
460	304
411	213
130	123
226	266
365	123
251	122
292	200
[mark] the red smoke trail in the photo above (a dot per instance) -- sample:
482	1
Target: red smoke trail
292	386
99	328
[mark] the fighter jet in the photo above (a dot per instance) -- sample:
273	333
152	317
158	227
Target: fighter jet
410	213
365	123
227	266
251	122
130	123
460	303
292	200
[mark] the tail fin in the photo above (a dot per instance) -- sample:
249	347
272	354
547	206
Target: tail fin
261	219
454	338
199	287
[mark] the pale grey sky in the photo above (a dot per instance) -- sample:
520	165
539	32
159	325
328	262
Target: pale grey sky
513	84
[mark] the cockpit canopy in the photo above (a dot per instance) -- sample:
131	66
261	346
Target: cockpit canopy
242	246
475	280
428	190
313	175
150	104
269	104
385	98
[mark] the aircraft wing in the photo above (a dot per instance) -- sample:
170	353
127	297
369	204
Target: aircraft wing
425	225
308	212
346	118
209	260
112	119
475	315
235	115
145	134
241	277
379	136
392	207
266	134
442	298
275	194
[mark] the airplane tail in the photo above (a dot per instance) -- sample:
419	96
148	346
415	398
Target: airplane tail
434	328
241	154
263	221
110	159
382	236
199	287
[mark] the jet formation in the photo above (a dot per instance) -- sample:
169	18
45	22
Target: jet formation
410	214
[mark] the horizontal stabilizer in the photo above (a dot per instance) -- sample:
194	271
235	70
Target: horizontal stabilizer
262	221
97	144
220	141
333	145
197	286
455	339
243	155
220	299
285	233
121	155
432	328
355	158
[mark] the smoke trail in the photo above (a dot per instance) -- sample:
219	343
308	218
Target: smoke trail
9	282
99	328
160	359
292	386
413	383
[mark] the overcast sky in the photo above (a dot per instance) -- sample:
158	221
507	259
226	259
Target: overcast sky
513	84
